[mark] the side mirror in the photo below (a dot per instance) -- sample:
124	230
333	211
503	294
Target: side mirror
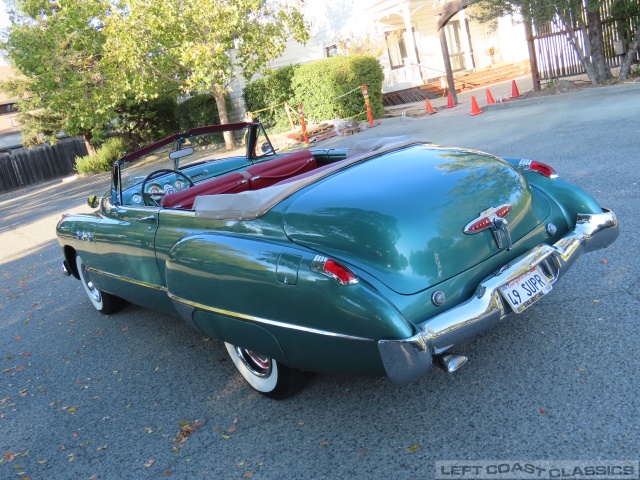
93	201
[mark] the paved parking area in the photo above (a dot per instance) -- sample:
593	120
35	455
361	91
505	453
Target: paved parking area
87	396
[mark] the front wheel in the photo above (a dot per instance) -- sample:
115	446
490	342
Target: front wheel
103	302
265	375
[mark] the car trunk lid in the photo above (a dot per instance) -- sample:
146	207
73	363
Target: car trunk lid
401	216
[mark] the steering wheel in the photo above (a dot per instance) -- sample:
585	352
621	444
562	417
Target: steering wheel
157	196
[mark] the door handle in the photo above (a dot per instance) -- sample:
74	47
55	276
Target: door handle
147	219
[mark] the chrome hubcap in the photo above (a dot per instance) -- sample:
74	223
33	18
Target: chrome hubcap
93	291
259	365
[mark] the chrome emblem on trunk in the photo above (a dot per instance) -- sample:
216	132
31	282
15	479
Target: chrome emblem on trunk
493	219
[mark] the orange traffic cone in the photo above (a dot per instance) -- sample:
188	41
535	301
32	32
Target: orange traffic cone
430	109
475	110
514	90
490	100
450	103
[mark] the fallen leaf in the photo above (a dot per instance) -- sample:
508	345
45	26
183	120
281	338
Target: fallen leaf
20	368
183	423
226	437
596	301
324	444
580	369
605	261
167	473
104	447
231	430
149	463
72	409
413	448
248	475
18	337
542	411
42	462
235	421
241	464
300	423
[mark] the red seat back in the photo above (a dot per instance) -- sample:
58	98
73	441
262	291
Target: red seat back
230	183
273	171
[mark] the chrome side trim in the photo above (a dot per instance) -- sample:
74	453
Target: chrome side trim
127	279
407	360
264	321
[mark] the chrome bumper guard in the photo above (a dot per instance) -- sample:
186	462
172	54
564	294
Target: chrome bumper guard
407	360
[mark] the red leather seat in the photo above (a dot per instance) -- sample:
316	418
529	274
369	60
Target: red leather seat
230	183
273	171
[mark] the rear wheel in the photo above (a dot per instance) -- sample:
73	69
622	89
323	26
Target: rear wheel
103	302
266	375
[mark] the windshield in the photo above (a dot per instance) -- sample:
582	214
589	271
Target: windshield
186	152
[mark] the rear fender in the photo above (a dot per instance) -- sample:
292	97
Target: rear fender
570	199
271	285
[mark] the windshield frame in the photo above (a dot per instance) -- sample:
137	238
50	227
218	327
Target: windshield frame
254	131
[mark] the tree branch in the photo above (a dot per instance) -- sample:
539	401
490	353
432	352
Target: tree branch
164	75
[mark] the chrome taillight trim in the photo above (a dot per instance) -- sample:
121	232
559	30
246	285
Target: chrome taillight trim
318	265
525	164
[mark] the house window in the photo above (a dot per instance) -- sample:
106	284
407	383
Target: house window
397	47
331	51
8	108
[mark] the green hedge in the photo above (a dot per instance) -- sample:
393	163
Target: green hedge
102	161
271	90
317	84
197	111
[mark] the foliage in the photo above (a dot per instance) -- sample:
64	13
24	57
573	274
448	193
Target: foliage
111	150
318	85
274	89
145	121
361	45
56	47
197	111
626	12
195	44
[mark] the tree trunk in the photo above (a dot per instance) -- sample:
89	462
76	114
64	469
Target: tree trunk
631	53
91	149
219	97
596	42
584	57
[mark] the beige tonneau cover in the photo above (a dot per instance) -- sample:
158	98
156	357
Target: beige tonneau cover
254	203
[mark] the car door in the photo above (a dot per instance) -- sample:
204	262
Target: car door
125	240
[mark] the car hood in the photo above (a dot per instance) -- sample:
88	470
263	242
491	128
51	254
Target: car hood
400	216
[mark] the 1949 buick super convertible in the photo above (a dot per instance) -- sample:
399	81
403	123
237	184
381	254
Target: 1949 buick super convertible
378	261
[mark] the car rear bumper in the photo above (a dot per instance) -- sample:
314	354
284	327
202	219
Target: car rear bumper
407	360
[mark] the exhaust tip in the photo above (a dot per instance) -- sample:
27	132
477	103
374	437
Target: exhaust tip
65	268
450	362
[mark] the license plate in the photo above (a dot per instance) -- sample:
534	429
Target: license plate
525	290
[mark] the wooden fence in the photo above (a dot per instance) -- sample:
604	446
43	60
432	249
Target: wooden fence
555	57
26	167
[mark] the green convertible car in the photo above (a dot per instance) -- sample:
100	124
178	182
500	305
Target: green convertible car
377	260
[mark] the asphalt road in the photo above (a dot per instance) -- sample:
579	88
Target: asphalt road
87	396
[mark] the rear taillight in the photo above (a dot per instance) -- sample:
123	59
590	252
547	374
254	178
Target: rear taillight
536	166
333	269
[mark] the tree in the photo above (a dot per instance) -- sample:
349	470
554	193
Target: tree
196	44
625	12
56	47
576	16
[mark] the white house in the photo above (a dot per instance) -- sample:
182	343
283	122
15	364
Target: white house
407	31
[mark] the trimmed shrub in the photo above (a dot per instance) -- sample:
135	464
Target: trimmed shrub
271	90
110	151
197	111
318	84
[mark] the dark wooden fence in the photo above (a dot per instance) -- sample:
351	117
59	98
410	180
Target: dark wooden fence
555	56
26	167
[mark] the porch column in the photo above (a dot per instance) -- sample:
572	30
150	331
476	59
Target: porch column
411	42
